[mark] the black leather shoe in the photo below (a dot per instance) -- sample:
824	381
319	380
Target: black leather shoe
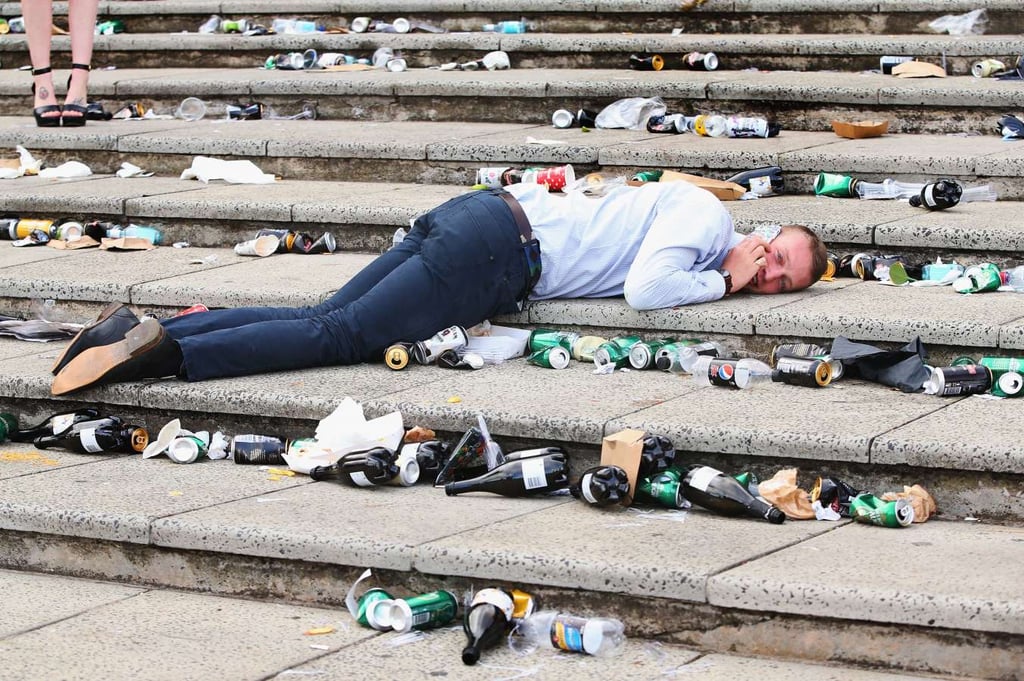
111	326
145	352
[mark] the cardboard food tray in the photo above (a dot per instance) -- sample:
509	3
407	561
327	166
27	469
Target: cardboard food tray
860	129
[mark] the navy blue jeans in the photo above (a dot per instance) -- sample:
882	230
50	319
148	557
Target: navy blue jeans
461	263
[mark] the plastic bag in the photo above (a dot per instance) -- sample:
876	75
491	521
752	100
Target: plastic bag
972	23
631	113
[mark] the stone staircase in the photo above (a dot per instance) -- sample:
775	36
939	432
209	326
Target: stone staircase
941	598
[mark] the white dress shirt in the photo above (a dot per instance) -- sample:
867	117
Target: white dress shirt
660	244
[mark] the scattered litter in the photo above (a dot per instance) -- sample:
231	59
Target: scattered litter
131	170
318	631
175	493
67	170
205	169
407	638
181	244
267	500
544	142
28	457
454	399
208	260
972	23
316	646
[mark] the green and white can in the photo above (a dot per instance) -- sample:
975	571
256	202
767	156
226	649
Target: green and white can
553	357
545	338
8	424
663	491
869	509
426	611
615	351
641	355
368	602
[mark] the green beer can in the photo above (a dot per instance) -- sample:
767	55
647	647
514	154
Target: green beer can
8	424
554	357
641	355
869	509
663	491
545	338
368	601
1002	365
615	351
426	611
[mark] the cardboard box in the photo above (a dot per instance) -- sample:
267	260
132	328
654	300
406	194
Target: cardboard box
860	129
725	191
624	449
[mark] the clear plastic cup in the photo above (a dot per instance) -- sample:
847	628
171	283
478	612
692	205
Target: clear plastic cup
191	109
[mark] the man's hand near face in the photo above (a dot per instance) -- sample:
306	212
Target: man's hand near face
745	260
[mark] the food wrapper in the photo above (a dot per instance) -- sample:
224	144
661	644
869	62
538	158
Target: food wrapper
419	434
781	491
920	499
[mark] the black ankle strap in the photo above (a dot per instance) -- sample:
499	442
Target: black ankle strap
41	72
84	67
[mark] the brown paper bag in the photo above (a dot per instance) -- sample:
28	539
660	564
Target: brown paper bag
781	491
126	243
920	499
624	449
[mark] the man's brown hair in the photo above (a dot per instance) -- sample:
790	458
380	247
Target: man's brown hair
819	254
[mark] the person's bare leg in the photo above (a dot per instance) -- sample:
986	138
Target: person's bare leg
38	16
82	27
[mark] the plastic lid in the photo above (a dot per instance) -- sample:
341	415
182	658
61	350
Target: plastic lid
593	637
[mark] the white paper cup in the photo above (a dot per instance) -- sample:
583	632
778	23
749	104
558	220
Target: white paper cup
260	246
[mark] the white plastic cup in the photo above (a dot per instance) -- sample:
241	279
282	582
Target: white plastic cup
396	65
191	109
260	246
359	24
401	25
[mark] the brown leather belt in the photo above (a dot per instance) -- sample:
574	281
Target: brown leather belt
522	222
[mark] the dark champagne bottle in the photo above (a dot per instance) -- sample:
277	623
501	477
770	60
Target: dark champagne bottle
487	620
519	478
602	486
431	457
764	181
95	439
363	469
656	457
57	424
716	491
520	454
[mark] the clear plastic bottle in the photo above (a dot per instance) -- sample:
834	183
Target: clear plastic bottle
601	636
1015	278
983	192
886	189
211	25
680	359
712	126
731	373
506	27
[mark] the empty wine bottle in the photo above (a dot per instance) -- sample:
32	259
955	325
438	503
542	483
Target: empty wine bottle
602	486
521	454
93	439
716	491
762	181
368	468
56	424
938	195
487	620
519	478
657	456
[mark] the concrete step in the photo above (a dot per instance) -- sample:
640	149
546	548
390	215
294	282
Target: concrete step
552	16
968	448
363	216
452	153
951	606
58	625
799	52
796	100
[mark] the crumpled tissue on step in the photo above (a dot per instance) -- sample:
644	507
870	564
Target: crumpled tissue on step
205	169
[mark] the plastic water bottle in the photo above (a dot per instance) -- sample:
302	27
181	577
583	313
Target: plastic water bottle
731	373
886	189
601	636
1015	278
211	25
506	27
150	234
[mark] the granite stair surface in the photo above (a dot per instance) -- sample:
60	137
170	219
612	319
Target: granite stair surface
804	599
796	100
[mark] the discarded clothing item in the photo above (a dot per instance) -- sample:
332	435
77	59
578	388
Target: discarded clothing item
1011	127
903	368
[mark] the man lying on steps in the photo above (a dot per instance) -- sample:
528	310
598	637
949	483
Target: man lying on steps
476	256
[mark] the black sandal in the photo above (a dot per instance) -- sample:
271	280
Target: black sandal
81	110
41	120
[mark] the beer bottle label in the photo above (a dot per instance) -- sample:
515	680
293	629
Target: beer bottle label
533	473
359	478
88	439
567	633
702	478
